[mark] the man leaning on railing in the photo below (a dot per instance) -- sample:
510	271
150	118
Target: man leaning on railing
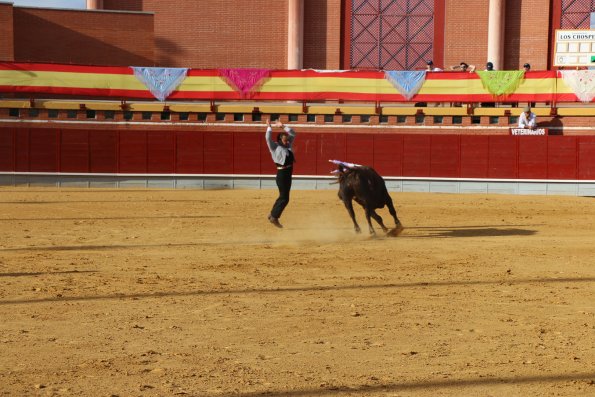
528	119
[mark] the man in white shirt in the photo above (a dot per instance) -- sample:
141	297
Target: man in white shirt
528	119
431	68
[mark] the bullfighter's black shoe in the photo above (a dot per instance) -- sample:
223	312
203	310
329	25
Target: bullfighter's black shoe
275	221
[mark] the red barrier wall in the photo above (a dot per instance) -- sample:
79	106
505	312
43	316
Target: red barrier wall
186	152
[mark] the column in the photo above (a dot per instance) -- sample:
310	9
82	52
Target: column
496	33
295	34
94	4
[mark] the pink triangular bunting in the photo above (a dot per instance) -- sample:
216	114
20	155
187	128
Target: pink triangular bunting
245	81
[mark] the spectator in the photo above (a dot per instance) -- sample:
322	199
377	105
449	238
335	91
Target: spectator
527	68
489	68
431	68
528	119
464	67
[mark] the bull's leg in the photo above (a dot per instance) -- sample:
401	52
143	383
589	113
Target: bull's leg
392	211
378	219
349	206
368	214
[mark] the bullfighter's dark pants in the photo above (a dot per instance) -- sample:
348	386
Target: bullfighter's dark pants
283	180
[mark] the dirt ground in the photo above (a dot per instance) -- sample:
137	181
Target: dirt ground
193	292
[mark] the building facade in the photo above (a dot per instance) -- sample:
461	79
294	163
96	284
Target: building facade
331	34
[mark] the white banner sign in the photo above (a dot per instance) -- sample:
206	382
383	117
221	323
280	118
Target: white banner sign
528	131
575	48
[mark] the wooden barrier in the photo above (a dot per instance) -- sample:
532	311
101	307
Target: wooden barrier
245	152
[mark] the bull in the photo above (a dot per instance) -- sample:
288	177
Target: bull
365	186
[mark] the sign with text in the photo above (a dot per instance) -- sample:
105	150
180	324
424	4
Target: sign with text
575	47
528	131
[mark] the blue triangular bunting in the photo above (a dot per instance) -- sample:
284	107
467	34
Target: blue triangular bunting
407	82
160	81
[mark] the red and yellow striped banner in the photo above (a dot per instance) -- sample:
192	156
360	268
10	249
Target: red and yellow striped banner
299	85
99	81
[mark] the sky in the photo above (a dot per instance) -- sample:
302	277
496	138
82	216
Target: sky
50	3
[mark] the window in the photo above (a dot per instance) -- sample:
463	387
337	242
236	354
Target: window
53	113
147	115
383	119
109	114
420	118
457	119
494	119
128	115
256	116
33	112
293	118
364	118
91	114
238	117
219	116
475	120
274	117
513	120
13	112
201	117
71	114
401	119
438	119
165	115
391	35
311	118
329	118
346	118
184	116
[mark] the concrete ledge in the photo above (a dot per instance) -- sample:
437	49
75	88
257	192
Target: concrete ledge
394	184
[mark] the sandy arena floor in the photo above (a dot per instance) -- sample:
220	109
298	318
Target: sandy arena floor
164	293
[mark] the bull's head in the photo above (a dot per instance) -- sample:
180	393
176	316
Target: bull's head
341	172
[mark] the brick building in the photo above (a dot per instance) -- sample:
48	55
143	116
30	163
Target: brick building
331	34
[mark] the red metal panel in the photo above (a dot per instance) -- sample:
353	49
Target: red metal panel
446	154
22	150
189	152
474	156
218	152
132	152
74	151
388	154
160	152
359	148
416	155
267	166
562	157
503	157
305	150
576	14
7	148
103	151
533	157
43	150
330	147
586	157
246	152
